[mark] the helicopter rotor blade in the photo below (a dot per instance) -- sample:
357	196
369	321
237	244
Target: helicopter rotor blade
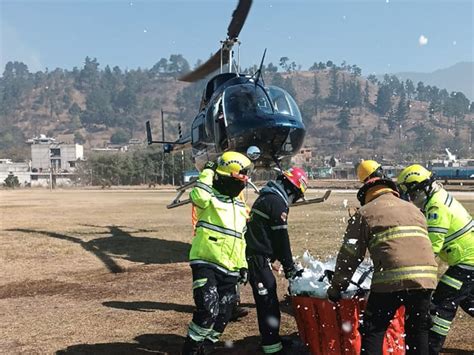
238	18
208	67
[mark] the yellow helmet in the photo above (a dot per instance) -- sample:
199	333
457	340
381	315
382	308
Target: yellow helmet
234	164
368	169
414	177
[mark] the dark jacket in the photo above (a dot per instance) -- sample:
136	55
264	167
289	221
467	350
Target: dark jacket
267	229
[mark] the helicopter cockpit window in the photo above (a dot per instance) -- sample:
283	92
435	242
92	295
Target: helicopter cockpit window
242	102
283	102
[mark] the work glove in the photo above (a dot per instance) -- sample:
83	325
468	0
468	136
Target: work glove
210	165
243	276
333	295
293	273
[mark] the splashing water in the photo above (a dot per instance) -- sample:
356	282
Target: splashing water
315	283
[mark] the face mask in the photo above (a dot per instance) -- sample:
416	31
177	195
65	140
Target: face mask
418	198
228	186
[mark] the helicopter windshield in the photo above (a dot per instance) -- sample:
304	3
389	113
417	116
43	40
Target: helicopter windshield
243	102
283	102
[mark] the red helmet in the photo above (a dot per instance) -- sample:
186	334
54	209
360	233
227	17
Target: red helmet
297	177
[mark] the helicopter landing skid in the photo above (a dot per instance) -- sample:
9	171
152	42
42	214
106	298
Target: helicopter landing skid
313	200
182	189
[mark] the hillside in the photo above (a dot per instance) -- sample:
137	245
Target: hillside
346	115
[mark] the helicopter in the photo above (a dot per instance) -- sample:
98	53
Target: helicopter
238	111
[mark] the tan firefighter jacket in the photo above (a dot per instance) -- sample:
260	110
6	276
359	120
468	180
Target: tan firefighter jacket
395	233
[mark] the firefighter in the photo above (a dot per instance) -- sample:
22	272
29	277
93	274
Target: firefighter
395	233
450	228
267	241
217	255
368	169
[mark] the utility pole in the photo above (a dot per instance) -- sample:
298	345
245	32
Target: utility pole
163	151
172	157
183	170
50	169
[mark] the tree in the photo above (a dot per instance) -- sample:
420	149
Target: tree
160	67
402	110
292	66
16	84
353	95
333	97
11	181
79	138
373	79
425	140
126	100
410	89
316	95
74	110
120	137
343	118
283	63
98	108
355	70
89	75
271	68
177	64
383	103
366	94
457	105
314	67
329	64
421	92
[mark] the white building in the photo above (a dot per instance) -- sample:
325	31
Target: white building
48	154
53	162
20	170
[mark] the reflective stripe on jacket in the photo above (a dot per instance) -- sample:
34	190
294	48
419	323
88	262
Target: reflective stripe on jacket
395	233
220	227
450	229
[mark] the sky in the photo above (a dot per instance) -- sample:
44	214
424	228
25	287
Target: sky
380	36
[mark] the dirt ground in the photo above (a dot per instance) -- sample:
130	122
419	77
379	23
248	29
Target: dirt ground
97	271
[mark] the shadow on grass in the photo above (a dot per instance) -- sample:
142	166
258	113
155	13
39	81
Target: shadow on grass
149	306
144	344
456	351
123	245
169	344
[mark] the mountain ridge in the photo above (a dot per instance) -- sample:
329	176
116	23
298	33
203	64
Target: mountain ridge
457	77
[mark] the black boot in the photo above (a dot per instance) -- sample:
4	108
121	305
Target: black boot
238	312
191	347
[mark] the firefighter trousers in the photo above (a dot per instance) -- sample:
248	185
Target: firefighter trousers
264	289
214	294
455	288
381	308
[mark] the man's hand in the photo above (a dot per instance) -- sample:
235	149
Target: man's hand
244	276
334	295
210	165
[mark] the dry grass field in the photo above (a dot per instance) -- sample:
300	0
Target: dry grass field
105	271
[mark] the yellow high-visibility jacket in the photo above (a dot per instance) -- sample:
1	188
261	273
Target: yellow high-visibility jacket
450	228
220	227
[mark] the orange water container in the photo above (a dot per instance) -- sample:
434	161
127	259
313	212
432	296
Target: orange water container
332	329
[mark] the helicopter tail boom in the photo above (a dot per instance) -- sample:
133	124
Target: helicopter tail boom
181	141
